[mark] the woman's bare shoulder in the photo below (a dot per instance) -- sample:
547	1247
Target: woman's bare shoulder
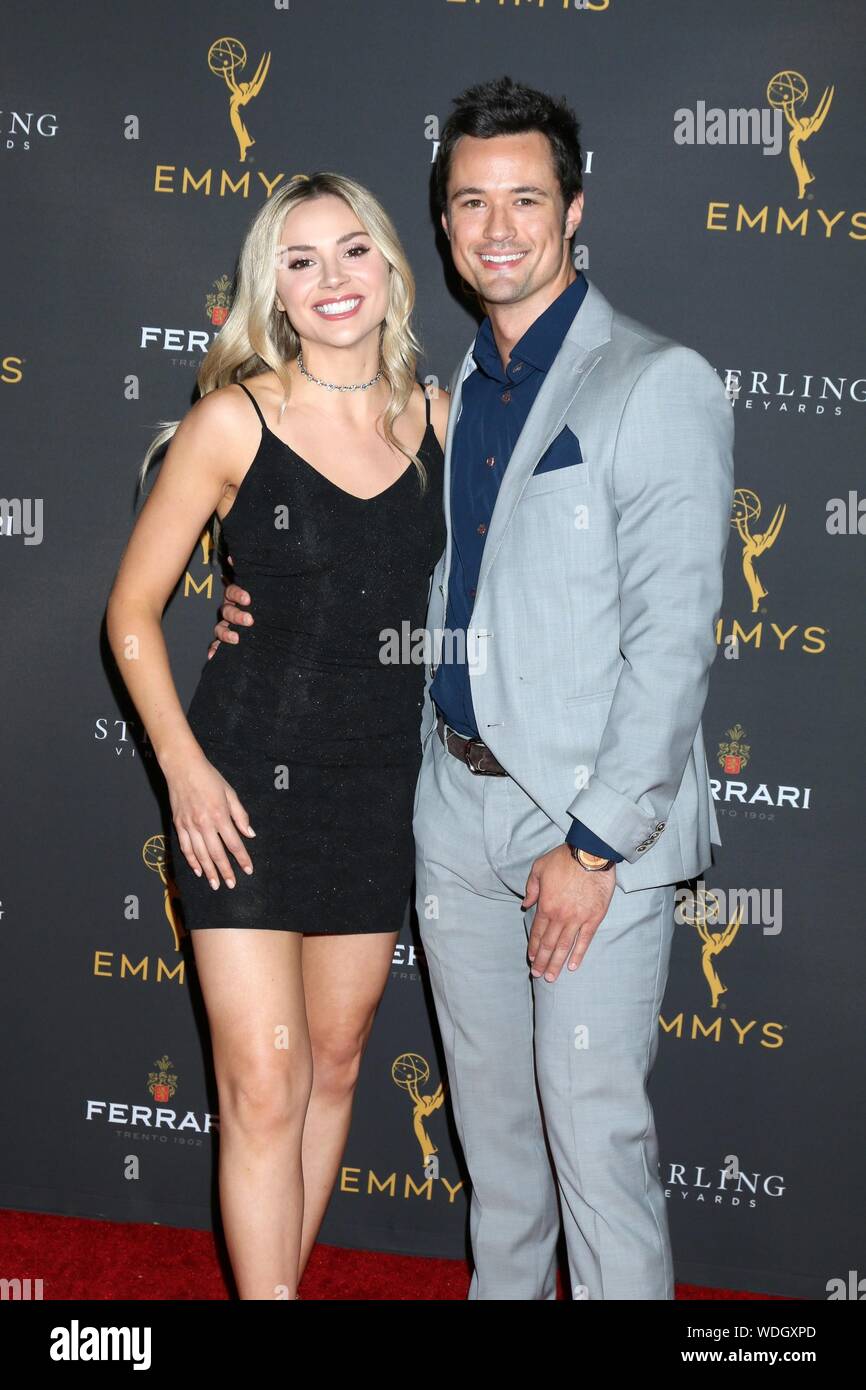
219	432
224	410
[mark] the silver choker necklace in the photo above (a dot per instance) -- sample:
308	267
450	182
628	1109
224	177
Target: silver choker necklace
334	386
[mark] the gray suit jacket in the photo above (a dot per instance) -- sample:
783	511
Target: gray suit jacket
599	590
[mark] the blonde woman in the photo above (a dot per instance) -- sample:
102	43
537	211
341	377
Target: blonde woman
291	777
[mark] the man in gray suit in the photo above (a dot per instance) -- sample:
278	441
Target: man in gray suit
564	788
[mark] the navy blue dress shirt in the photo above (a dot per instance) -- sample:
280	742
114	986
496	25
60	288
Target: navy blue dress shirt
496	401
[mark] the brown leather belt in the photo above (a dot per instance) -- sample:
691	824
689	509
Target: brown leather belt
475	754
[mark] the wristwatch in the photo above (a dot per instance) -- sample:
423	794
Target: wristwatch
593	863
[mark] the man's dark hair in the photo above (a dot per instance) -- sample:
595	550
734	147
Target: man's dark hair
504	107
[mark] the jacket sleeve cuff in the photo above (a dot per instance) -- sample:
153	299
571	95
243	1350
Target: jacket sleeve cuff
621	820
583	838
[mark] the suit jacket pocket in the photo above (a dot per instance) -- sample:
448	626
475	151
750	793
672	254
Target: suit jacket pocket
589	699
575	475
561	452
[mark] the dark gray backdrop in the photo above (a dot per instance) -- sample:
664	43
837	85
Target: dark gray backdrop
104	109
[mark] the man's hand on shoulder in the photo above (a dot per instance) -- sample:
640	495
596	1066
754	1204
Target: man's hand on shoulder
570	906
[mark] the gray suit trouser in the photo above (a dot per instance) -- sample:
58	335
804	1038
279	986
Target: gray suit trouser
525	1057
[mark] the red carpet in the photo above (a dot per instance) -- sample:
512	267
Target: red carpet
83	1259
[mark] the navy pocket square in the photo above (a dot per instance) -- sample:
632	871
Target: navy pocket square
562	453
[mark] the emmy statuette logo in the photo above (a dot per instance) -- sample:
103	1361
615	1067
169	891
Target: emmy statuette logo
746	509
154	856
411	1072
704	910
225	58
788	90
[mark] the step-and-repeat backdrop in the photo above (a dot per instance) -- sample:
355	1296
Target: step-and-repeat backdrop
725	207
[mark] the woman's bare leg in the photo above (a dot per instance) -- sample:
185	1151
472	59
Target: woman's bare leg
252	984
344	977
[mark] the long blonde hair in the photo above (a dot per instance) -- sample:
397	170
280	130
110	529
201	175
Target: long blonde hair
257	335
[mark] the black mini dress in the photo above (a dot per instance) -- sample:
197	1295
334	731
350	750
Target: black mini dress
314	715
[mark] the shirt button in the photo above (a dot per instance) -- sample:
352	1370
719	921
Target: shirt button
482	529
490	462
505	397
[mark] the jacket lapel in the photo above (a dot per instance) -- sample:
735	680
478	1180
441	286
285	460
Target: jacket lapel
463	371
589	330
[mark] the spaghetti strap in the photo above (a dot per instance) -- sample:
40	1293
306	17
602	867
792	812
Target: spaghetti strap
427	406
255	403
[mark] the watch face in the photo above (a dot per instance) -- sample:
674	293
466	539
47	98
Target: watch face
592	861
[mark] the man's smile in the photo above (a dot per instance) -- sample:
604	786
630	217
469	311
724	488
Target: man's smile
502	258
